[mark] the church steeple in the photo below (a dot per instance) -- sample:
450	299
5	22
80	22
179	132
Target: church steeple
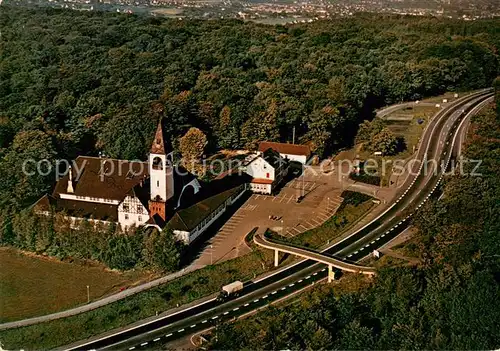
159	147
161	173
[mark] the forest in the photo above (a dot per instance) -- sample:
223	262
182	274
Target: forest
448	301
88	83
79	83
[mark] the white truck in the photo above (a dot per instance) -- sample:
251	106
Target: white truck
230	290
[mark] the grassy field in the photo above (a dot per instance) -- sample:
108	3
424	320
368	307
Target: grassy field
33	285
408	123
180	291
405	123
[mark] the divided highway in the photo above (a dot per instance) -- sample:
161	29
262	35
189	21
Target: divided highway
435	150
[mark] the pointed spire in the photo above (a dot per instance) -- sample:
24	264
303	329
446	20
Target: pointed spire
70	188
159	146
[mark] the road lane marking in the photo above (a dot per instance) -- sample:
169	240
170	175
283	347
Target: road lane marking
155	340
245	305
256	300
204	321
274	292
236	309
131	348
180	330
291	285
324	269
283	289
192	326
215	317
300	281
170	334
225	313
144	343
316	273
308	277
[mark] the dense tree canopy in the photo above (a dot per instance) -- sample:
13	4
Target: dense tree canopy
99	82
192	144
56	236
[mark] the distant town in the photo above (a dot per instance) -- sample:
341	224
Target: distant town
279	11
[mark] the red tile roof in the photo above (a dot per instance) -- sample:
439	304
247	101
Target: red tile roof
283	148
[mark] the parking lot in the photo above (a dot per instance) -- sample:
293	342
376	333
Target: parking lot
281	213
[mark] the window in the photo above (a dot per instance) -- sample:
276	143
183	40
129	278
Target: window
157	183
139	209
157	163
126	216
125	208
267	175
140	219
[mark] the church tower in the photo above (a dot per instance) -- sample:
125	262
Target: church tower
161	173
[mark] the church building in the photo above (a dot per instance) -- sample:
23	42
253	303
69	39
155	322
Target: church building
156	193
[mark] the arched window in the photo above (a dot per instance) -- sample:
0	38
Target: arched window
157	163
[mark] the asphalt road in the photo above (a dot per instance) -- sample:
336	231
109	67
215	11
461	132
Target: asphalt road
436	145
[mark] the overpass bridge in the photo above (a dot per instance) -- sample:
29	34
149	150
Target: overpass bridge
331	262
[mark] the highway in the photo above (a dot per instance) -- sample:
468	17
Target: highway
435	149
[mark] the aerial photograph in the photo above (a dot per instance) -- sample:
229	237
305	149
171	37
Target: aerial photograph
194	175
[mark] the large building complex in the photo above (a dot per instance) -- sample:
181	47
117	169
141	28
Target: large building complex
160	194
131	193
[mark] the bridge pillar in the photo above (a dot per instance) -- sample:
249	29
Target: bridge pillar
276	258
331	274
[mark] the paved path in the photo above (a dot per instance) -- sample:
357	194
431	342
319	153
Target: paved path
102	302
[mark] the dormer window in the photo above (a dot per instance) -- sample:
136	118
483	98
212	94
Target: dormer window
158	141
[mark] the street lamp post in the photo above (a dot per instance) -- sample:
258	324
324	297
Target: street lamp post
303	183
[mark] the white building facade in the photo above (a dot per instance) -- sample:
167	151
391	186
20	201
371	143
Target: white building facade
267	169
